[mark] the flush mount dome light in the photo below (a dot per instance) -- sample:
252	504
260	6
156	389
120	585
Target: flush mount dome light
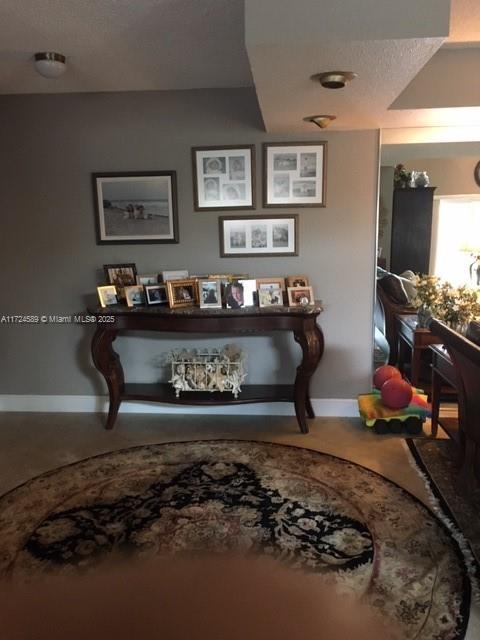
334	79
321	121
50	64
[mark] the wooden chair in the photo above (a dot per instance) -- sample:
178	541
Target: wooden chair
465	356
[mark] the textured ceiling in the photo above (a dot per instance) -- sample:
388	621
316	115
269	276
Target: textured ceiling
121	45
128	45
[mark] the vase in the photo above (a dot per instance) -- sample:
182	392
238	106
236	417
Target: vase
421	179
424	314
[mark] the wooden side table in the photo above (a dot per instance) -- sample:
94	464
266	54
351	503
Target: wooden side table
416	340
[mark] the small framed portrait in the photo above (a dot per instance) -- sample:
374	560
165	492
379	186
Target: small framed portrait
297	281
223	178
270	296
136	208
150	278
234	295
300	296
294	174
156	294
210	293
107	295
265	283
249	292
121	275
259	236
182	274
134	295
182	293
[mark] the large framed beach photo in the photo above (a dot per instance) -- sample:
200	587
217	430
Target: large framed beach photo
258	236
223	178
294	174
136	208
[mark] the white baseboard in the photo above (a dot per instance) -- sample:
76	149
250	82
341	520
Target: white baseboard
323	407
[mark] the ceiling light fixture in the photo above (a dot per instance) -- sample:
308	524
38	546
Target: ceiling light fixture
321	121
334	79
50	64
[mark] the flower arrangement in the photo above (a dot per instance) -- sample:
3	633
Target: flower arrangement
401	177
455	306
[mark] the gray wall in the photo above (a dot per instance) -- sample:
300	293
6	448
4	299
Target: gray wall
51	144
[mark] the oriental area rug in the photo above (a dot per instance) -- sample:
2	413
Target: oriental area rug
437	460
309	511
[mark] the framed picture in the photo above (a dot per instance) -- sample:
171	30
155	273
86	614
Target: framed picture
271	296
266	283
182	293
107	295
234	295
134	295
121	275
297	281
136	207
223	177
300	296
249	292
156	294
258	236
174	275
210	293
151	278
294	174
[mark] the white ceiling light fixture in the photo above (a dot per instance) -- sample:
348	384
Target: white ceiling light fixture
50	64
321	121
334	79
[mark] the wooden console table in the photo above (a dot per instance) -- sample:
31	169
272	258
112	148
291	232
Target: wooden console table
249	320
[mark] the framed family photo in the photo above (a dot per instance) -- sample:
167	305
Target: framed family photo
294	174
210	293
136	208
223	177
156	294
258	236
121	275
182	293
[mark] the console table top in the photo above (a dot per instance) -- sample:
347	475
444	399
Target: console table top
197	312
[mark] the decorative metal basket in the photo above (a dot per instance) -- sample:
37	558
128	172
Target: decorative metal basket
214	370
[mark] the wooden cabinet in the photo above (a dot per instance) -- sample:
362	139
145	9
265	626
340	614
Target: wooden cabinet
411	229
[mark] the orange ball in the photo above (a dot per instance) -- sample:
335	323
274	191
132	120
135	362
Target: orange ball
396	393
384	373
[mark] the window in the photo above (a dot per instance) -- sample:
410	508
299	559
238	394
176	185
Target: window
456	239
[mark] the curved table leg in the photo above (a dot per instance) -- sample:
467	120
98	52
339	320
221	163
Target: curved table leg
107	361
311	341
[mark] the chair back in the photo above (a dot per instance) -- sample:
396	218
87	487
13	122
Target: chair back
465	356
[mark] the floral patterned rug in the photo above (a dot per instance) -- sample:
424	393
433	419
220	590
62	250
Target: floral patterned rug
309	510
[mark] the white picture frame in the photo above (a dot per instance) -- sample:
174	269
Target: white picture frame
181	274
294	174
156	294
258	236
210	293
223	177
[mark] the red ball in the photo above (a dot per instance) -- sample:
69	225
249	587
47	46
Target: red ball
384	373
396	393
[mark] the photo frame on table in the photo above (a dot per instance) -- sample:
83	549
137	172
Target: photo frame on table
271	296
297	281
136	207
121	275
107	295
182	293
147	279
210	293
266	283
134	295
300	296
156	294
223	177
258	236
294	174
